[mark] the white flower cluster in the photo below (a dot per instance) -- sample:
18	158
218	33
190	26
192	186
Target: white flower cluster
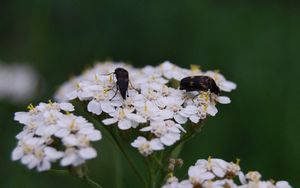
217	173
52	133
153	103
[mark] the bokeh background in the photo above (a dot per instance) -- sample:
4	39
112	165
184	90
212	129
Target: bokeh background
255	44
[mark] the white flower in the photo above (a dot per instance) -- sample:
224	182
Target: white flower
82	90
149	111
125	118
217	166
198	174
46	123
167	131
71	125
33	153
172	71
152	96
146	147
211	173
76	157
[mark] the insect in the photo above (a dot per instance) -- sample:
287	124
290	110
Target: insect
122	82
199	83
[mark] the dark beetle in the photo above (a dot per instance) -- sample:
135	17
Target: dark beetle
199	83
122	77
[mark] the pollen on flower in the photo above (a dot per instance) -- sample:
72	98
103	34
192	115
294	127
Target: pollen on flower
195	68
30	107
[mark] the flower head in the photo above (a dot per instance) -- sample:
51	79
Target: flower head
52	133
154	103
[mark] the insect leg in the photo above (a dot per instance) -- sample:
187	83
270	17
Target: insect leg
107	74
132	86
195	97
115	94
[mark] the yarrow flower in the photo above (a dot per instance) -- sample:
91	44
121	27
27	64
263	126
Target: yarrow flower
154	104
53	133
154	108
217	173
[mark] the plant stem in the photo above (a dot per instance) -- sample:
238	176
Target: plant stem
91	182
87	179
130	162
151	173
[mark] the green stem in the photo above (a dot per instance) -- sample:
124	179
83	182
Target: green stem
158	162
91	182
87	179
118	166
151	173
119	144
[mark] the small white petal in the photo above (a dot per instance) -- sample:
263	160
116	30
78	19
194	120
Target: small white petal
190	110
227	86
27	159
94	107
62	133
66	107
70	140
17	153
156	144
223	100
145	129
283	184
169	139
138	141
95	136
107	107
124	124
136	118
207	176
109	121
52	153
242	178
195	119
45	165
180	119
88	153
68	160
212	110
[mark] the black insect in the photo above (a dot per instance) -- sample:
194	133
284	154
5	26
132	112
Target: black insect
122	82
199	83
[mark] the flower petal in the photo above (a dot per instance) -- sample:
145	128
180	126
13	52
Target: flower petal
88	153
124	124
109	121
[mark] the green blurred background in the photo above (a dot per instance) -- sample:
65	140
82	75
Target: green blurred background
255	44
